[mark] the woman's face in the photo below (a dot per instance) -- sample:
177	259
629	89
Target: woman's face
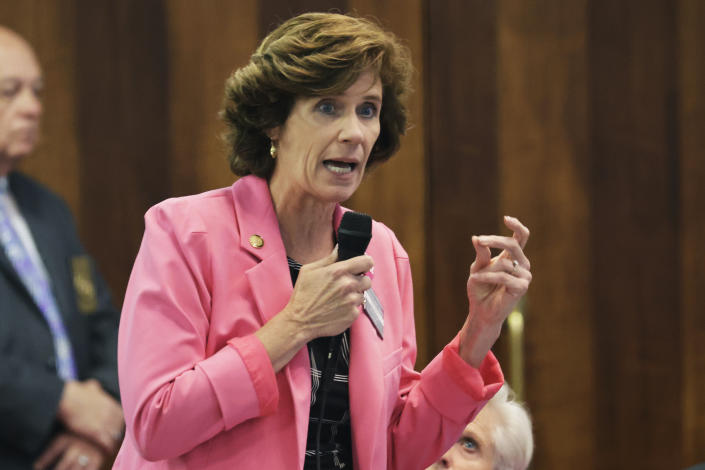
475	449
323	146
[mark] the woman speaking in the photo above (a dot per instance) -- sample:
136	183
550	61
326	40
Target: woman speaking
245	340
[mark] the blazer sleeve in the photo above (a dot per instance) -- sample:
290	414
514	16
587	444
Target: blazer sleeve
434	406
168	382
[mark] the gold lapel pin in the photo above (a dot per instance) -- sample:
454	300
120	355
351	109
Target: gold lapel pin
256	241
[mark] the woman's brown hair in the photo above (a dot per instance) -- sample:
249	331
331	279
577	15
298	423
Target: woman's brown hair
313	54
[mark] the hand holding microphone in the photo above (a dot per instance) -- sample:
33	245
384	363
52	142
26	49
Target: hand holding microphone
327	295
329	292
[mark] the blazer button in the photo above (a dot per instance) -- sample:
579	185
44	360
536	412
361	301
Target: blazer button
51	363
256	241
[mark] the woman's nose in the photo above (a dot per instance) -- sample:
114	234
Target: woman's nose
351	129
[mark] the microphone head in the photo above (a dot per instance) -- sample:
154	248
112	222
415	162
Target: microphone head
354	235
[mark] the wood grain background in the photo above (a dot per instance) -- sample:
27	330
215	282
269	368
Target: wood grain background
584	118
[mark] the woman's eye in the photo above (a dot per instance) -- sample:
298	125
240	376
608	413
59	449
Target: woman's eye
468	444
326	107
368	110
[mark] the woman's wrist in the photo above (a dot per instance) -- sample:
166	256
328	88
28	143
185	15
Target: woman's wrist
476	341
282	337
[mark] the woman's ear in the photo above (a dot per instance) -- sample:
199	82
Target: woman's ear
273	133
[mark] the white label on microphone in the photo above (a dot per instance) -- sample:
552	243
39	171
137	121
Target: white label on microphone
374	311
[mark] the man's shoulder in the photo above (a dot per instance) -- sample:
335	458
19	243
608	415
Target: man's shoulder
33	197
23	186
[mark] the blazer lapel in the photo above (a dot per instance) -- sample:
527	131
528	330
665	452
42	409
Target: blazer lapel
270	283
7	267
270	280
9	270
53	255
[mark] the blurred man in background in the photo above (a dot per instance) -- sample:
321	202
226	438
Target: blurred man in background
58	328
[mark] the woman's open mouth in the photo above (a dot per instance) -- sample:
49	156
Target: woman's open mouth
339	167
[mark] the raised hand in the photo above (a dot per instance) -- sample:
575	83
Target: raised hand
494	287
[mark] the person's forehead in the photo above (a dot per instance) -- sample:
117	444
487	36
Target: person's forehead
17	60
367	81
484	422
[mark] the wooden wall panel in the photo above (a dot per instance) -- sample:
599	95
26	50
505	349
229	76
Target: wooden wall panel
274	12
691	67
121	96
461	122
543	158
206	42
395	193
634	234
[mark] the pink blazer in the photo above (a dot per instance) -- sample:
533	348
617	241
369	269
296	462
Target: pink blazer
198	389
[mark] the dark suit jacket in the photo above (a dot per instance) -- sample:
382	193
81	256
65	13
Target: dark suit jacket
30	389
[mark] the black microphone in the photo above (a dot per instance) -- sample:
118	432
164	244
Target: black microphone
354	235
